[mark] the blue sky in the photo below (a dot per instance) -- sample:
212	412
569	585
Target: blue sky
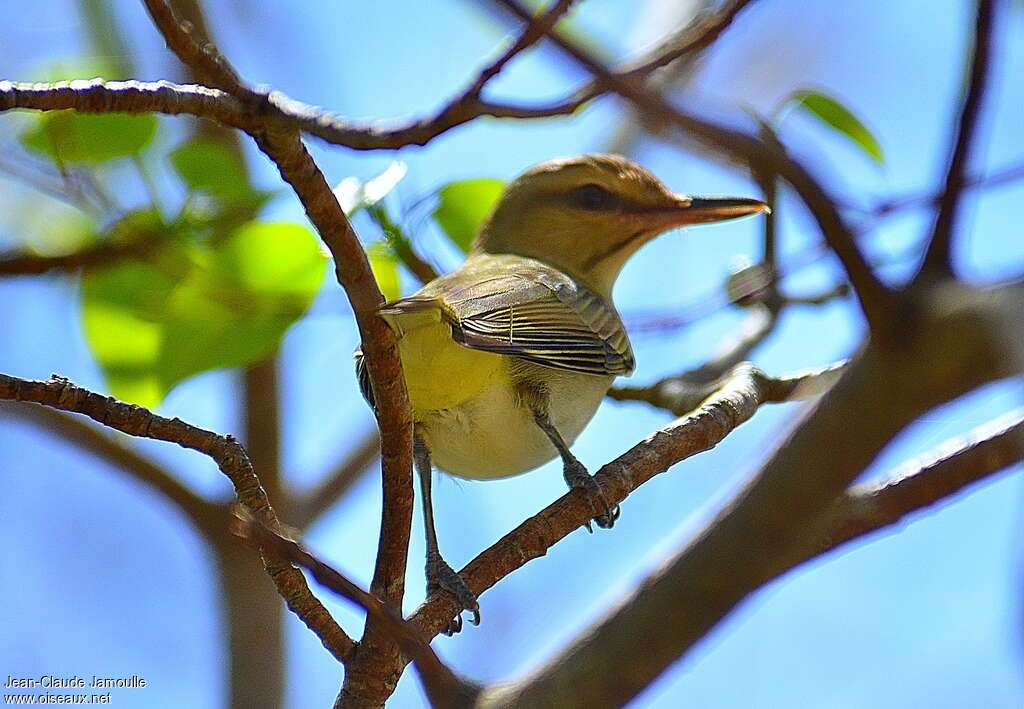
929	616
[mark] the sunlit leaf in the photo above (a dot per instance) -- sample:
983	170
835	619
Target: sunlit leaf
208	166
55	229
463	206
839	118
191	307
70	137
385	269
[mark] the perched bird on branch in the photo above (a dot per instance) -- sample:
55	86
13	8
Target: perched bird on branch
508	357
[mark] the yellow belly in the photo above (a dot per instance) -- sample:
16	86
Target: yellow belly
440	373
465	406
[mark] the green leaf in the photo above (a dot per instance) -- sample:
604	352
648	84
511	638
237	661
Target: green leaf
207	166
385	269
839	118
69	136
192	307
462	207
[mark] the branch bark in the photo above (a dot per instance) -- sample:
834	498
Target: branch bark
938	259
606	667
875	299
231	458
207	516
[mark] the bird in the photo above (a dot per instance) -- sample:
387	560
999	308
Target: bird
507	358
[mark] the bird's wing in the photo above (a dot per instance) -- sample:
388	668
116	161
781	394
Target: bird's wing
541	316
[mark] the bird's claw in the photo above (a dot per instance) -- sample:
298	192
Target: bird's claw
441	576
577	476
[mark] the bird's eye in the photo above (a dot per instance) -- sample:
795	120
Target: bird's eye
592	197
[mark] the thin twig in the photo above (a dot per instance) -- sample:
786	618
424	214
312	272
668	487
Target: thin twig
875	299
207	516
283	145
895	205
231	458
166	97
102	253
443	687
938	259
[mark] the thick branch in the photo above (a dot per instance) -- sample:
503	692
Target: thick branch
734	403
938	259
202	57
231	458
763	530
607	660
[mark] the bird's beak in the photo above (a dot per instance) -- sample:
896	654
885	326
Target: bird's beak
700	210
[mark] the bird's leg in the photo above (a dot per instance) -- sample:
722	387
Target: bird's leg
439	574
575	473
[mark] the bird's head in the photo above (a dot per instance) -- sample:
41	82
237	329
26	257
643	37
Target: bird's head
587	215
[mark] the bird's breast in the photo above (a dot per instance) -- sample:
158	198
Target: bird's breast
493	435
442	374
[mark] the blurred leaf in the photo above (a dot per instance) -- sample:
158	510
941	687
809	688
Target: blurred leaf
353	194
839	118
69	136
385	269
208	166
69	69
463	206
55	229
189	308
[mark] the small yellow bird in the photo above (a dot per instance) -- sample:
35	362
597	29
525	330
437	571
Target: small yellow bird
508	357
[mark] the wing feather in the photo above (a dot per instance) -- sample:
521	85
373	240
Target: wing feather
530	311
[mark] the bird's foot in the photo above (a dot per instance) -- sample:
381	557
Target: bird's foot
577	476
441	576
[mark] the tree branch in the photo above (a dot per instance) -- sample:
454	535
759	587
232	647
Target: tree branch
683	393
732	404
762	532
282	144
443	687
922	482
607	666
207	516
938	259
202	57
875	299
122	243
231	458
228	105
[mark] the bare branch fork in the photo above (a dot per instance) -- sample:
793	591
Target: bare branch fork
231	458
753	539
234	105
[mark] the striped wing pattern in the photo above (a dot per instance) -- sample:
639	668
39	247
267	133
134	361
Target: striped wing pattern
542	317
